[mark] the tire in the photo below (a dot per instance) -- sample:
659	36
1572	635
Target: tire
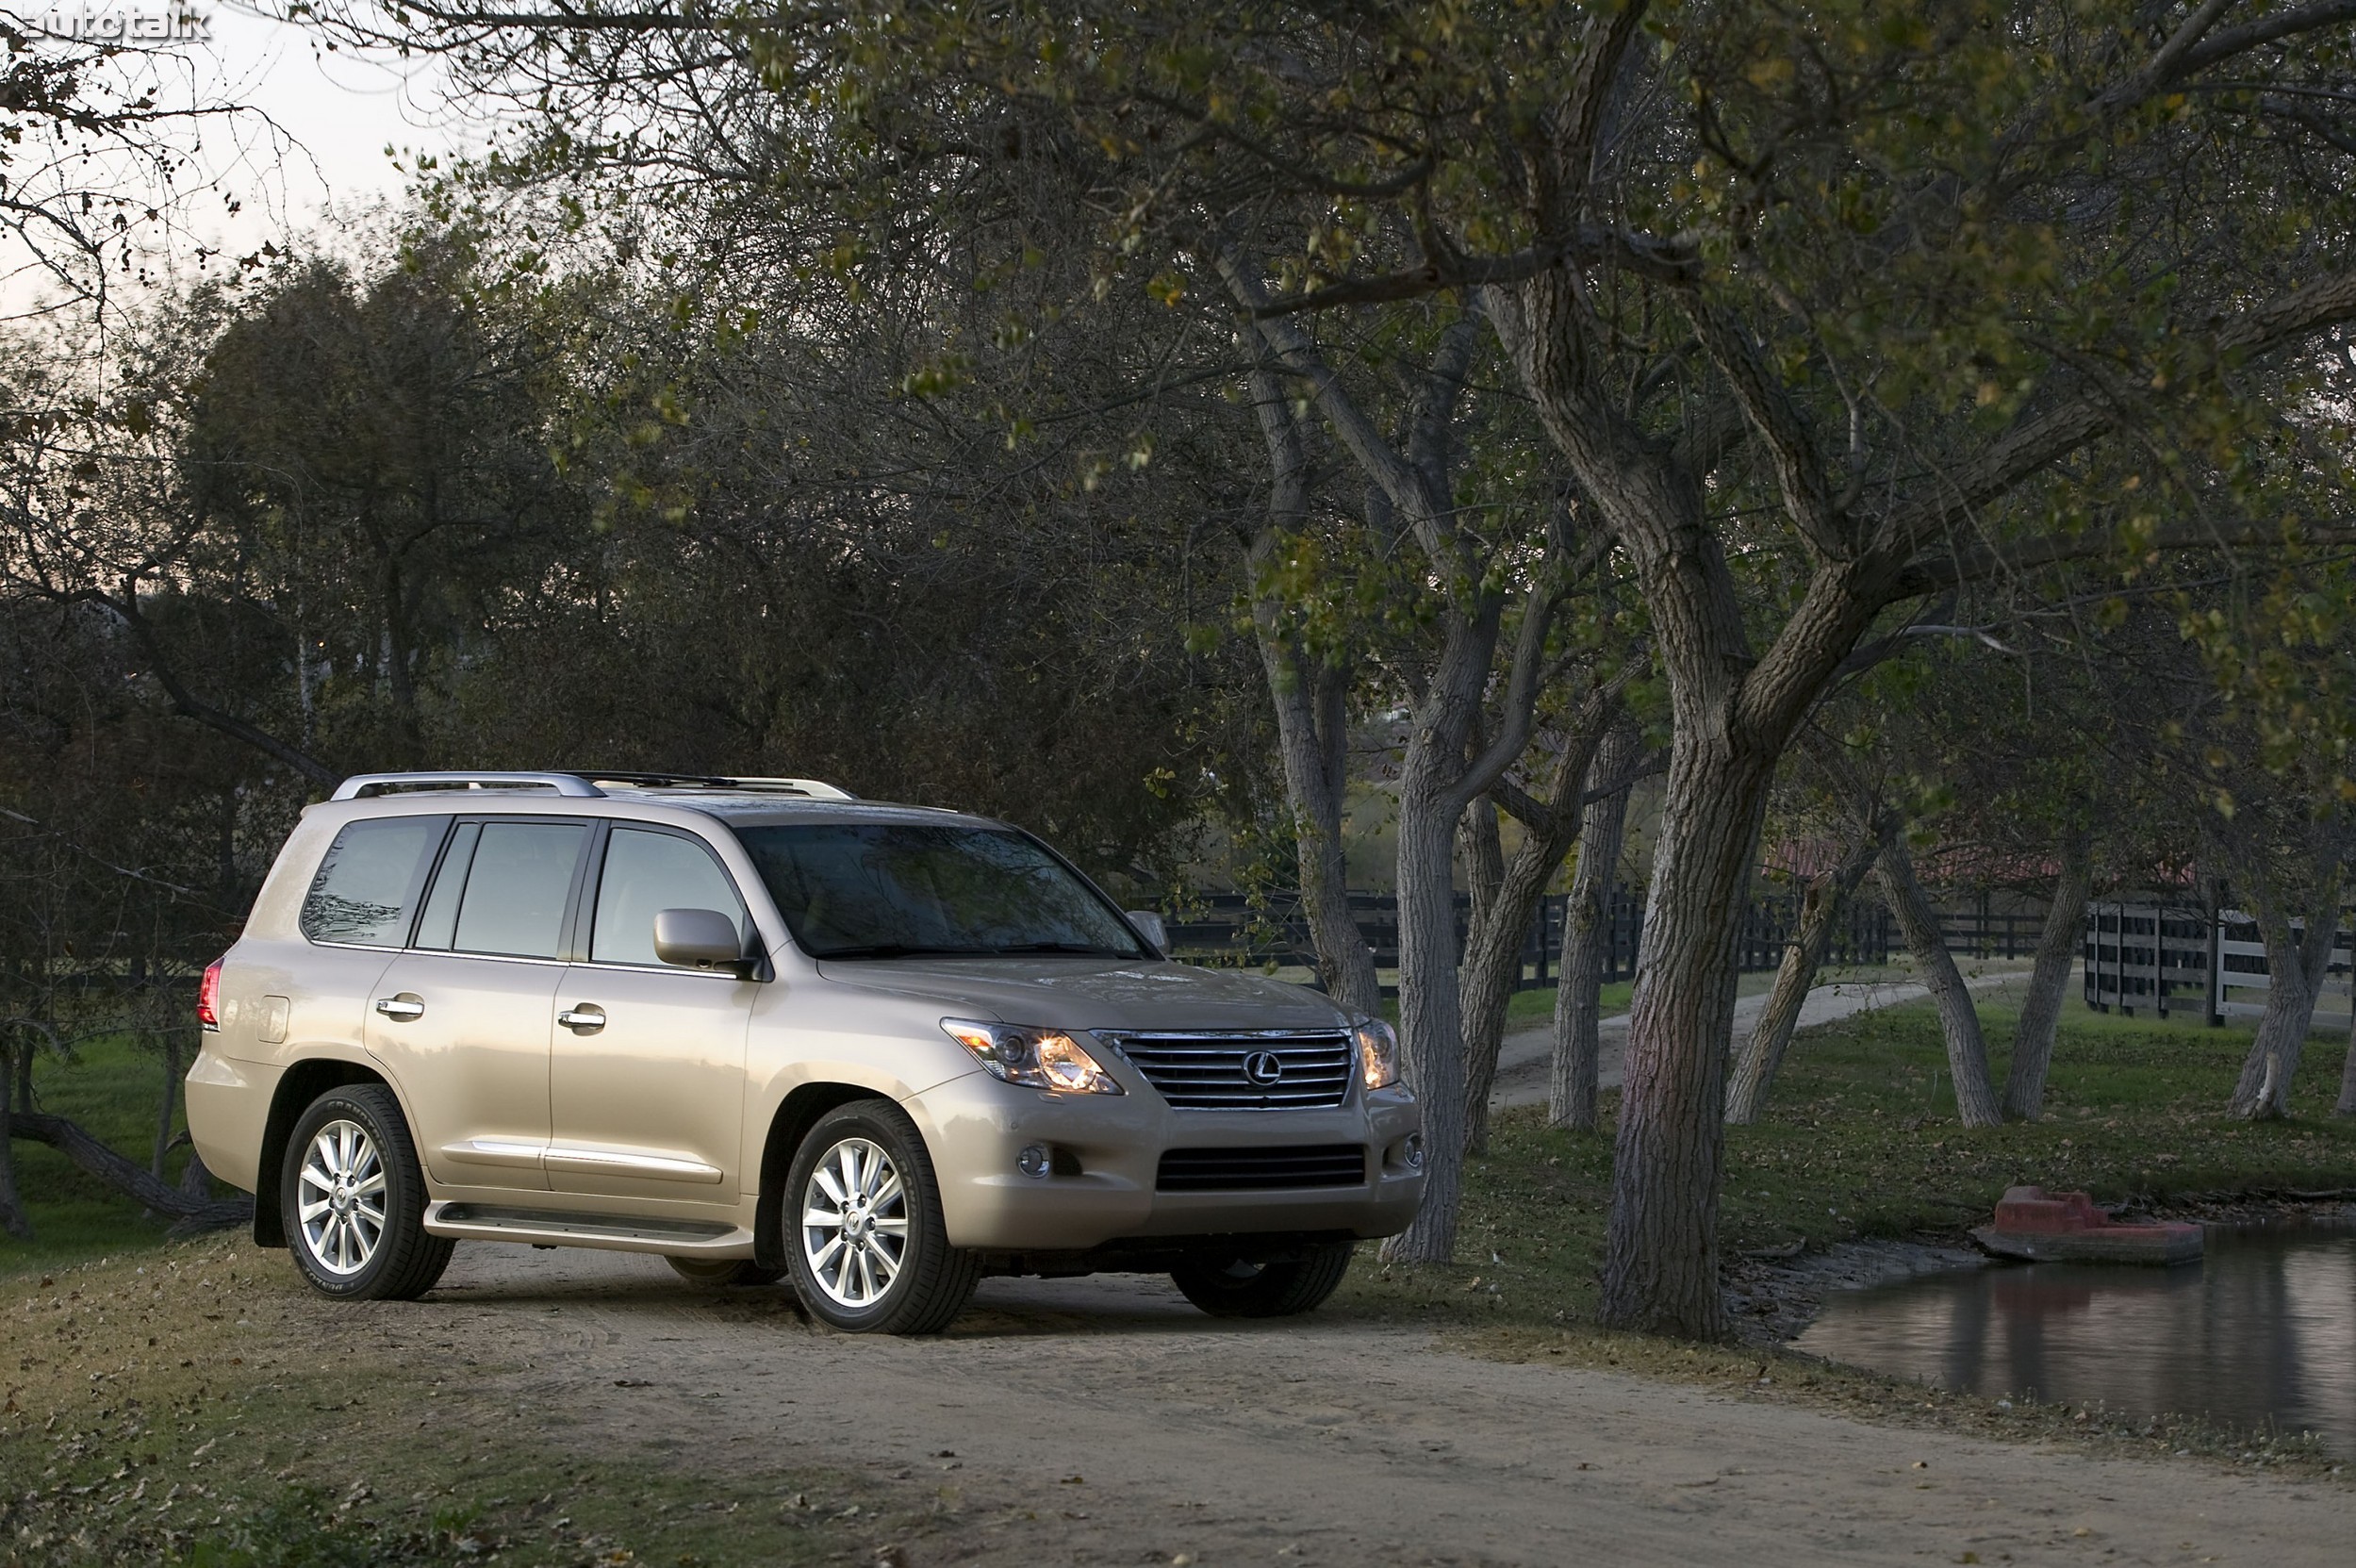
352	1144
720	1273
925	1282
1225	1285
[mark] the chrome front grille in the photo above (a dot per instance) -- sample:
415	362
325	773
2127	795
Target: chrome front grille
1233	1072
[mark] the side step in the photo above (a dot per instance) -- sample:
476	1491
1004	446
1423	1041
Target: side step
566	1227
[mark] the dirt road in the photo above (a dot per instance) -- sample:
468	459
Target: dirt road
1105	1421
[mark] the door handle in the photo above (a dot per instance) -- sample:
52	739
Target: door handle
583	1018
401	1009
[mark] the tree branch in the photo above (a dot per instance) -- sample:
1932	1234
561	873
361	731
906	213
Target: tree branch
189	705
134	1181
2035	442
1799	468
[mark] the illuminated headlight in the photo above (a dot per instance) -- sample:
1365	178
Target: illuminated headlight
1037	1058
1377	1052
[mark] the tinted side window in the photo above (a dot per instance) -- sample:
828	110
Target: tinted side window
650	871
439	922
518	886
367	887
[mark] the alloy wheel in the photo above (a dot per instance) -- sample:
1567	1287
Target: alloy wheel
342	1199
854	1223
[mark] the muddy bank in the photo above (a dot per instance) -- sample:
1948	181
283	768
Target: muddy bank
1774	1296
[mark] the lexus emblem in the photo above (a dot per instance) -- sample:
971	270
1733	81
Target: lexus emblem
1263	1067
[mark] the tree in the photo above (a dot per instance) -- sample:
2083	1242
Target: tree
1807	305
1849	815
1575	1066
98	165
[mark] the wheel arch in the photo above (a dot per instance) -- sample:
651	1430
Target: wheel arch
796	1115
299	1084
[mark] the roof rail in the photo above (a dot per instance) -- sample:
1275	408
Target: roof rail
361	786
816	788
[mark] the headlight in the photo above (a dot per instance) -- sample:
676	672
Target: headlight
1039	1058
1377	1052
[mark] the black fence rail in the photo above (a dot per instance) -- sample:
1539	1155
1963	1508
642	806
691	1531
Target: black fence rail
1229	931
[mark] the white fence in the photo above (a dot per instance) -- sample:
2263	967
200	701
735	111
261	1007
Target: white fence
2171	959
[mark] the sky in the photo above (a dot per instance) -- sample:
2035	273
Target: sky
339	112
318	142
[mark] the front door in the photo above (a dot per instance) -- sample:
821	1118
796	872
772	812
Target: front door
646	1075
463	1019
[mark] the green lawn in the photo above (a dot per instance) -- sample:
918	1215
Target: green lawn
113	1088
1861	1141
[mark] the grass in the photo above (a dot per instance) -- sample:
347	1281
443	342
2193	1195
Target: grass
112	1088
163	1406
173	1408
1861	1142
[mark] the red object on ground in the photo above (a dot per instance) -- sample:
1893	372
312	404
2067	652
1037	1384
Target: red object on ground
2046	1226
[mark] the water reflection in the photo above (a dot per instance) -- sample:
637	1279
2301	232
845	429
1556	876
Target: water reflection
2262	1331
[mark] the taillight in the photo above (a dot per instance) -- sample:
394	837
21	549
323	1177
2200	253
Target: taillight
209	998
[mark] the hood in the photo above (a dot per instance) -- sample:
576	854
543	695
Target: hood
1093	993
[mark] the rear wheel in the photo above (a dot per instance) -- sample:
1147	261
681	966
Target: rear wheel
863	1238
1227	1285
720	1273
353	1199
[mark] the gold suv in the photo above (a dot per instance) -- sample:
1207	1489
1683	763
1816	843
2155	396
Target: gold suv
767	1030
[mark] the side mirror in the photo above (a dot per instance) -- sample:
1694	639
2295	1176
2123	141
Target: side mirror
697	939
1149	926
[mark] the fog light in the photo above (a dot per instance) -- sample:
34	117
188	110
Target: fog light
1033	1161
1412	1151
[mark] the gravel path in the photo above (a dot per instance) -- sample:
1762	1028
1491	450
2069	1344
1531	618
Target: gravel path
1523	1061
1103	1421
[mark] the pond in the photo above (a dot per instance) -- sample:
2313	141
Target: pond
2261	1332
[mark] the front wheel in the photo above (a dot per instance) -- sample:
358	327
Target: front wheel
863	1237
1226	1285
353	1199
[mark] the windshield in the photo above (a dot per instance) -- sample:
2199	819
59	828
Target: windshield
898	890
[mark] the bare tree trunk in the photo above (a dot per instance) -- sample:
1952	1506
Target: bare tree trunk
1661	1265
126	1176
12	1216
195	1181
1493	959
1436	785
1309	695
1431	1033
1762	1054
2296	967
171	1103
1959	1019
2058	945
1578	1047
1482	843
2345	1104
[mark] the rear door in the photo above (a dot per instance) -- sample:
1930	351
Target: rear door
648	1069
463	1018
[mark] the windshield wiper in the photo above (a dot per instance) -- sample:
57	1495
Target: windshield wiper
1089	949
903	950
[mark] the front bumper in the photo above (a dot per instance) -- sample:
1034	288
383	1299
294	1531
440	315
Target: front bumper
974	1127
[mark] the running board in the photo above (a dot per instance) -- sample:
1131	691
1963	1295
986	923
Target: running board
565	1228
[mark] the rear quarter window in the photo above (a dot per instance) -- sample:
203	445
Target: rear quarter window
367	884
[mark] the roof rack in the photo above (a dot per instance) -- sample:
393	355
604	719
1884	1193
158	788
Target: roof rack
816	788
582	784
361	786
